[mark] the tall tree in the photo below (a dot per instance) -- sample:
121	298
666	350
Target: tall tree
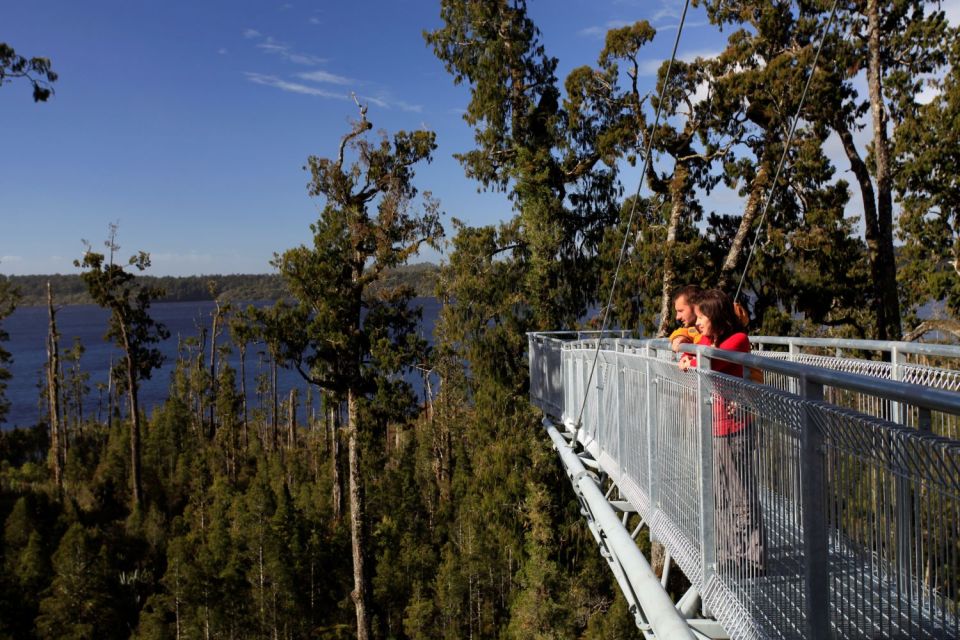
551	168
8	302
131	328
891	47
341	337
57	455
927	147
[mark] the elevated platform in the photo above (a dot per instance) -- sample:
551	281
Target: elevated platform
833	511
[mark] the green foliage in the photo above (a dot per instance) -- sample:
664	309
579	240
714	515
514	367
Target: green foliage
70	289
37	71
466	524
81	602
927	184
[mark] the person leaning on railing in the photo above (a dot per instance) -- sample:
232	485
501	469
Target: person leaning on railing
740	532
683	305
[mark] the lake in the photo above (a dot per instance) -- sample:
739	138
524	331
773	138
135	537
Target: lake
27	327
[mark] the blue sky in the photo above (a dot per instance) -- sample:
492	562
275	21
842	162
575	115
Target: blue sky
189	122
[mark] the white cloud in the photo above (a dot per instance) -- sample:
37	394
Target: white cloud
390	103
406	106
377	101
927	94
324	76
649	67
666	10
177	258
315	20
292	87
690	56
222	51
600	31
686	25
251	33
11	258
951	8
269	45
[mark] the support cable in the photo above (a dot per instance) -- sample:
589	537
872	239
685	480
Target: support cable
633	209
786	147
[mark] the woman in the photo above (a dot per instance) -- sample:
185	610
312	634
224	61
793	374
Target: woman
739	525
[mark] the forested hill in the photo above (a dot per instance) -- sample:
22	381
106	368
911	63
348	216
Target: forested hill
70	289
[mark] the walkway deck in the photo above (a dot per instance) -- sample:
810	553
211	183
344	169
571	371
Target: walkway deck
860	513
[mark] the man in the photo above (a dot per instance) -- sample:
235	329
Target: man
683	302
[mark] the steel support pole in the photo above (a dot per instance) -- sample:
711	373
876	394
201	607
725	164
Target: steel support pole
708	507
816	560
658	608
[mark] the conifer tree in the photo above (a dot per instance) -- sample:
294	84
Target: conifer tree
131	328
81	602
342	337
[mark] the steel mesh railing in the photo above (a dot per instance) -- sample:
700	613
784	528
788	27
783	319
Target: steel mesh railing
931	366
813	518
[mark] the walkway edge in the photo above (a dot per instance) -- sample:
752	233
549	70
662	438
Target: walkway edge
659	610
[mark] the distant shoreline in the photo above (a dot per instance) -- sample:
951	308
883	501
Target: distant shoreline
70	290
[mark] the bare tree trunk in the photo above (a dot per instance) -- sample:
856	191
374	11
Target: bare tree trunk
215	330
135	482
361	591
883	267
735	255
274	425
292	419
243	392
56	456
678	189
333	420
200	409
110	396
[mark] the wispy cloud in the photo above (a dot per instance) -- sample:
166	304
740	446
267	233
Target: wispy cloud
599	31
324	76
315	20
292	87
666	10
283	50
676	25
11	258
222	51
690	56
387	102
651	66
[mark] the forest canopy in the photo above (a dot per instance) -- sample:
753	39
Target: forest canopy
355	507
69	288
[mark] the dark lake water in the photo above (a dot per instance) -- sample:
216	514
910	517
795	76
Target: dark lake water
27	327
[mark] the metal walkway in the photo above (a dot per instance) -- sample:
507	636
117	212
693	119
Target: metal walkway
832	511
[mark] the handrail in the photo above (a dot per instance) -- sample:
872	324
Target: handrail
926	397
917	348
857	495
935	399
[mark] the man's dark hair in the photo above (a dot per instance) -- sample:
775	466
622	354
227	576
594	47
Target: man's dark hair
690	292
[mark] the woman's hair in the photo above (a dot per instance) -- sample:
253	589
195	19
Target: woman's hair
718	306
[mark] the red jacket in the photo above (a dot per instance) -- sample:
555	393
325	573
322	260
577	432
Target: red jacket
728	418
